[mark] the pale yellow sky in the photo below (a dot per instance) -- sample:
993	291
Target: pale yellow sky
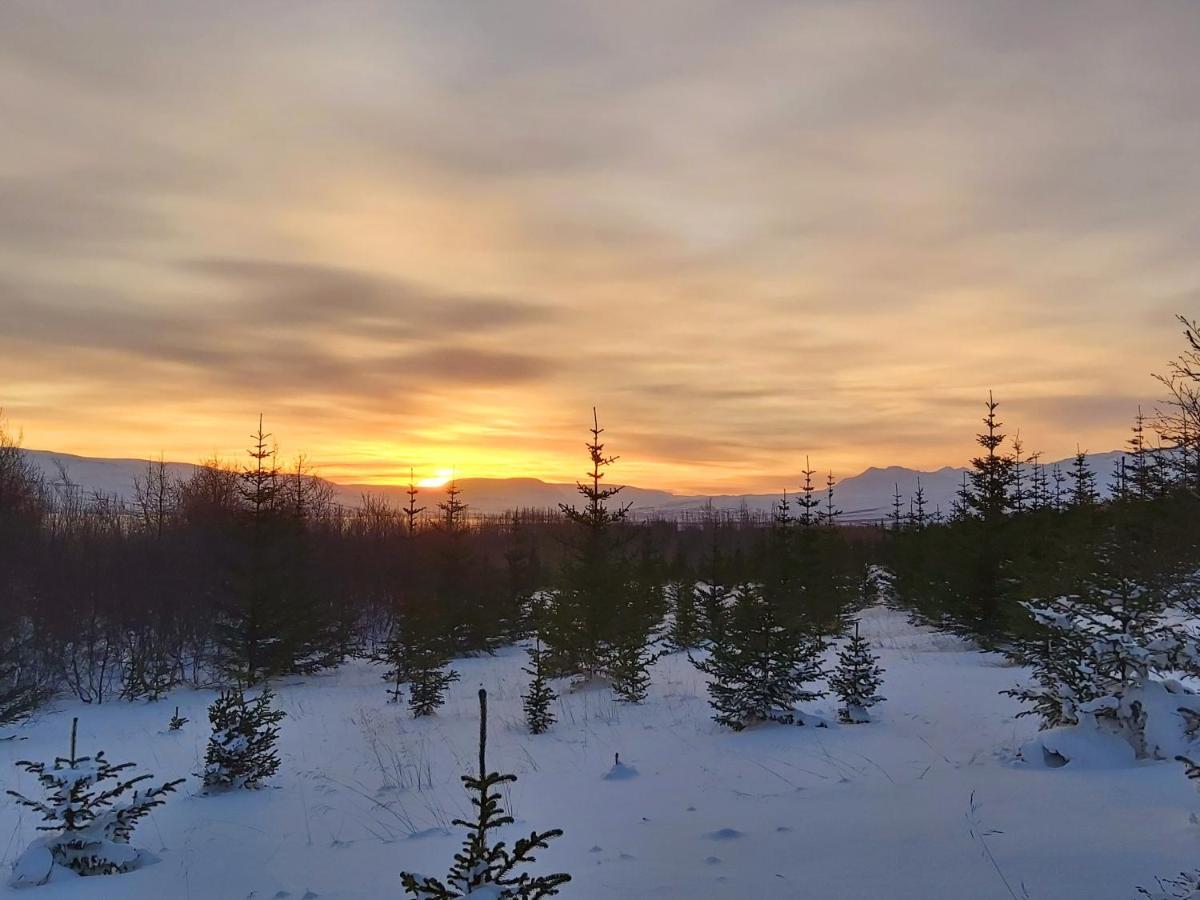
437	234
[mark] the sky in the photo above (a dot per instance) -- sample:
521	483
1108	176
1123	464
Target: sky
437	234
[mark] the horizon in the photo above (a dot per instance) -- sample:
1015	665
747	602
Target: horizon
437	483
440	235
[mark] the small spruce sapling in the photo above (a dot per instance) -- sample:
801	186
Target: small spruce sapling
540	695
428	680
241	751
629	664
763	664
856	680
482	867
90	820
177	721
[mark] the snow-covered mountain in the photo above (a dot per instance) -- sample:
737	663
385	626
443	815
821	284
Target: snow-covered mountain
863	497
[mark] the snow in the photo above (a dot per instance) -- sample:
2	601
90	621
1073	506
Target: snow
930	800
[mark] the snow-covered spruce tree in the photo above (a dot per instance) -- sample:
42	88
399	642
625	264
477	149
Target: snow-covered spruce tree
856	680
177	721
90	811
1107	656
484	868
540	695
762	666
241	751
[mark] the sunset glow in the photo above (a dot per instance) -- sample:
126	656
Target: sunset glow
435	481
492	220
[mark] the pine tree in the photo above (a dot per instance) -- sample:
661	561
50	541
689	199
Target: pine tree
1121	488
274	622
1039	492
687	626
177	721
428	678
537	700
1020	495
856	680
896	519
1141	472
918	516
711	591
762	666
453	509
829	515
629	664
482	867
241	750
416	653
991	473
412	511
597	609
465	616
1083	481
961	510
807	502
1060	493
637	629
89	820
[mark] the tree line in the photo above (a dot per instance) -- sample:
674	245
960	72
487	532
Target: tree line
243	572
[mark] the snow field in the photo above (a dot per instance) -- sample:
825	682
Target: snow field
927	802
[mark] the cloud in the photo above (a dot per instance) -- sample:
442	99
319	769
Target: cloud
745	231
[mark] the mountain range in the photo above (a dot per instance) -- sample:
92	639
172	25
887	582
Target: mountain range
863	497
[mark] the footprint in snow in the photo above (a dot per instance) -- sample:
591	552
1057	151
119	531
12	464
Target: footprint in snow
712	860
725	834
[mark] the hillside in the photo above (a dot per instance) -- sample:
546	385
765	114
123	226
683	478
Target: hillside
865	496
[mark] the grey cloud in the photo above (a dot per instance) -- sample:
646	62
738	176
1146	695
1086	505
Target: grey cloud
283	293
785	195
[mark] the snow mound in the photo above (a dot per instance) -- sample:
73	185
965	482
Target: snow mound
620	772
1077	746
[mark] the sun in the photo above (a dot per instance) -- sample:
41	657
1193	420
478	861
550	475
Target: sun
442	476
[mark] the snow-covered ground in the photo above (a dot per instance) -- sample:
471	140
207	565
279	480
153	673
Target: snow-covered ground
928	802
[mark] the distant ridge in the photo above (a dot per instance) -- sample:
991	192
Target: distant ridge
863	497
